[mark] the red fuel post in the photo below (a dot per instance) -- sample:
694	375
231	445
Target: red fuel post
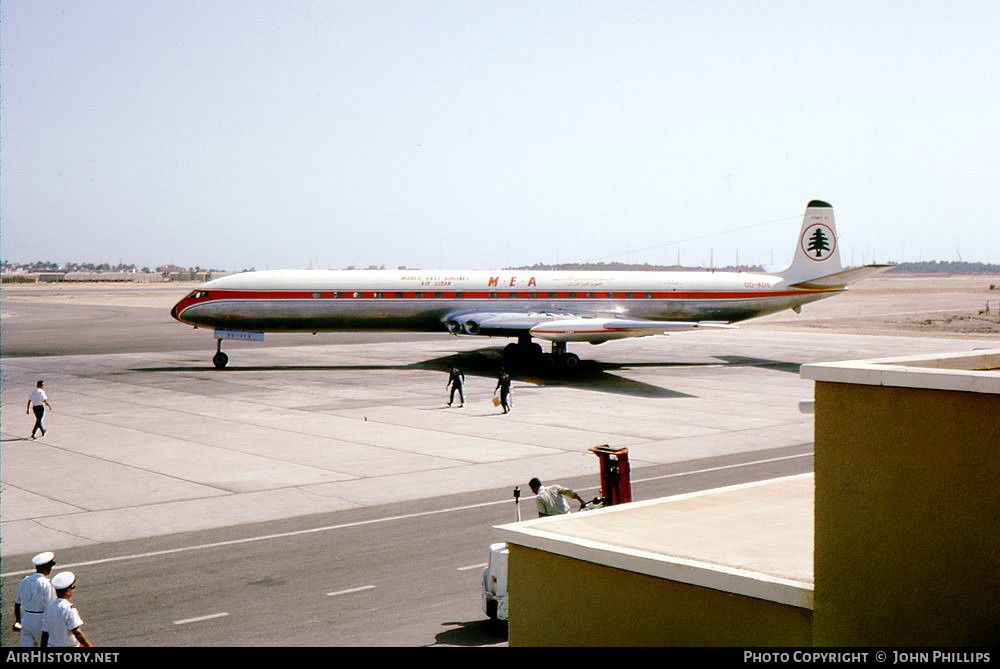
616	483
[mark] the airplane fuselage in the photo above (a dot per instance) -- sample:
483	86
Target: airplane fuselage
410	300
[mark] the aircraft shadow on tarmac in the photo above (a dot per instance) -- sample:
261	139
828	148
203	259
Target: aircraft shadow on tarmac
776	365
486	362
475	633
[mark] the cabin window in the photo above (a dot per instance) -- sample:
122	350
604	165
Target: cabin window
316	296
459	296
552	295
437	294
628	295
399	294
572	294
376	294
357	294
418	294
649	296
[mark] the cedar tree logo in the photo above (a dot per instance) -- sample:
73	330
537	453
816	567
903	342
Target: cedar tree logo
818	242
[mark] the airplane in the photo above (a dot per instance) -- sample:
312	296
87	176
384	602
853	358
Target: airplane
556	306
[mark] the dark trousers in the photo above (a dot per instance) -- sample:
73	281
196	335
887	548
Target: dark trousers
461	395
39	412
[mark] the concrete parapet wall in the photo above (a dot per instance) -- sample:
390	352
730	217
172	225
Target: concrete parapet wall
561	601
907	516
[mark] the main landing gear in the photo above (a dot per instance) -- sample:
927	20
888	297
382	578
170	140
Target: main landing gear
527	353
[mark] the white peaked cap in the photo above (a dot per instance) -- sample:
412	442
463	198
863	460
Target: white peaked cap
63	580
43	558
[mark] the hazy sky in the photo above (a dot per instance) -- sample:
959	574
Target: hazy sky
296	133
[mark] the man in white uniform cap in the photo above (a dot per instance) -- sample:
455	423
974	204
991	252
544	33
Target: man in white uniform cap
61	622
34	593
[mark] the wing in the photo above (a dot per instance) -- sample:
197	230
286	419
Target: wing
597	330
566	327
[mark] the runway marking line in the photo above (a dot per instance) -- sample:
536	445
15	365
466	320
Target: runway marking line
350	590
373	521
200	618
473	566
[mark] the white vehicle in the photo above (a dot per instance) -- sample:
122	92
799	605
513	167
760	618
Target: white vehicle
495	583
561	307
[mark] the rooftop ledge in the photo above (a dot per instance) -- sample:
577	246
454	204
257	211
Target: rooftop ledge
971	372
753	539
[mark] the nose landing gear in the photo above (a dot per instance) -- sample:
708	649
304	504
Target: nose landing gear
220	359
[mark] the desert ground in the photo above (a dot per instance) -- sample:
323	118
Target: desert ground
926	305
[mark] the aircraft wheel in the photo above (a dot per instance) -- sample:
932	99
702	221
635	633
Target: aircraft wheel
533	350
548	362
220	360
513	357
570	361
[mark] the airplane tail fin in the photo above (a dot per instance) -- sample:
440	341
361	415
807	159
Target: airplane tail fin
816	252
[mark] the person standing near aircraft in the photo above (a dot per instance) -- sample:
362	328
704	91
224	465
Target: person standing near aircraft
503	385
61	622
37	403
456	379
34	593
551	499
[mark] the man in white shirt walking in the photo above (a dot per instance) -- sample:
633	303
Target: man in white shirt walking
34	593
37	403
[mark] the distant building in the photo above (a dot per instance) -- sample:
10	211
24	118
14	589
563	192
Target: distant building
169	269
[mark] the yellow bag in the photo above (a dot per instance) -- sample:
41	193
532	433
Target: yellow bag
496	401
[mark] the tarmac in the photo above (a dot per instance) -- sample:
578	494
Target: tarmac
148	444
